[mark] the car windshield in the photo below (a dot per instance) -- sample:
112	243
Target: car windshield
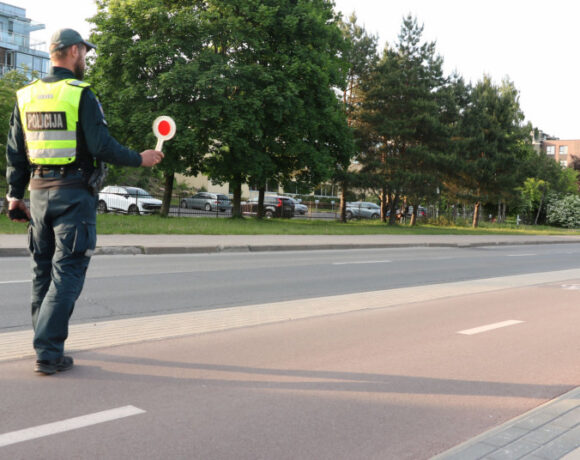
138	192
223	198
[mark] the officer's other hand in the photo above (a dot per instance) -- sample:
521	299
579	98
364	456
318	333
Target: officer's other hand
18	211
151	157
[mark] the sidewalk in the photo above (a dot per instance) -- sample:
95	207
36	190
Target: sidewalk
551	431
15	245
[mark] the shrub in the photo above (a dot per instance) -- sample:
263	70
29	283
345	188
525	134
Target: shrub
564	211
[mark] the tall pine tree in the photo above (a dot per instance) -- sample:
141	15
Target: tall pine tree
401	123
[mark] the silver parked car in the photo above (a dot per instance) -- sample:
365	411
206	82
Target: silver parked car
362	210
299	208
207	201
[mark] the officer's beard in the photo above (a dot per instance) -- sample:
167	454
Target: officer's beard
79	68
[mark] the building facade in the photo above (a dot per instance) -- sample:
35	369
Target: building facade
562	151
18	51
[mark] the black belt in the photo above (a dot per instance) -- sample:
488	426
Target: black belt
55	171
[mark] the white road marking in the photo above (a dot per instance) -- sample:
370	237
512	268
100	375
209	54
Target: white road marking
489	327
15	282
521	255
363	262
571	287
49	429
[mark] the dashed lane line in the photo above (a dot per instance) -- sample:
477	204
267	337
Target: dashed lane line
363	262
490	327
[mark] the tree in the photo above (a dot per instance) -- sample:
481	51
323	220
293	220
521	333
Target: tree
247	81
148	64
401	124
541	176
360	57
534	193
10	82
277	116
493	142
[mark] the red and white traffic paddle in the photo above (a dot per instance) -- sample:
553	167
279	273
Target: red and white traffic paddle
164	129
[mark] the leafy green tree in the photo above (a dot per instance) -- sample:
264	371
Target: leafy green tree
149	54
10	82
247	81
277	116
534	193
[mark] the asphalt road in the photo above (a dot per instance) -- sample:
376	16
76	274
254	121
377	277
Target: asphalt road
121	286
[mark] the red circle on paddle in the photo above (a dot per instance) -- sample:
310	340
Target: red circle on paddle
164	128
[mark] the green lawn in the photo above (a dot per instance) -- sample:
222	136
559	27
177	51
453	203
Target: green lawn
119	224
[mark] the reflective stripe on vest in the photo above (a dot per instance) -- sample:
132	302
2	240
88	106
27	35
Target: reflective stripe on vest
49	114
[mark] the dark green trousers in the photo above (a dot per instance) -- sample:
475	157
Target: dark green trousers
62	238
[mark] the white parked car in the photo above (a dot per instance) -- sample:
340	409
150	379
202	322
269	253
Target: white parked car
128	200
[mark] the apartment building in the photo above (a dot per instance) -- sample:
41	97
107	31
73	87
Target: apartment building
17	49
562	151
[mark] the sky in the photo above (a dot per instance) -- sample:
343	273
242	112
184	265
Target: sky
533	43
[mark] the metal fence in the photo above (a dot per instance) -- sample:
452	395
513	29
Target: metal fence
119	203
315	210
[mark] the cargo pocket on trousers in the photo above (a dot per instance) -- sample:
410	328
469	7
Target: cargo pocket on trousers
85	239
30	237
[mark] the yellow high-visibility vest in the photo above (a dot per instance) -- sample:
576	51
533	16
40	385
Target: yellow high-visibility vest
49	113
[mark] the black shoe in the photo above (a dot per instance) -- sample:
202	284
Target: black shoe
64	363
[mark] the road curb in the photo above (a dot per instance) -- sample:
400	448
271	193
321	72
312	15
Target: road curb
547	431
14	252
210	249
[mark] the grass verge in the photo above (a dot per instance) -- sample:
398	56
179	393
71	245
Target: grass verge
109	224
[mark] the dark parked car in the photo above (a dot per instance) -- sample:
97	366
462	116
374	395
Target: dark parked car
421	212
274	206
207	201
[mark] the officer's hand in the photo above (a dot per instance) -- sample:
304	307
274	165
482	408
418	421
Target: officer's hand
151	157
18	211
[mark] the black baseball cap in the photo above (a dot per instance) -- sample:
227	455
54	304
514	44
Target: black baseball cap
64	38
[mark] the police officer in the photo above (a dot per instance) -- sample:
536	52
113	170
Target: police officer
58	136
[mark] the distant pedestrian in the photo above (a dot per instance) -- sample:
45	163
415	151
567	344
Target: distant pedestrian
57	144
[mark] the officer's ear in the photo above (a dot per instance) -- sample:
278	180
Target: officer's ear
74	51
